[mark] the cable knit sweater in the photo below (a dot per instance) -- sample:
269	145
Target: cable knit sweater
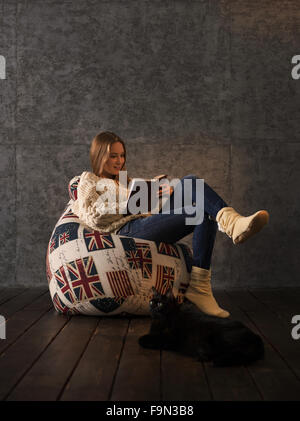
97	203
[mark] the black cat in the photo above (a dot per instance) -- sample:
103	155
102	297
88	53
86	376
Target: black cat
186	329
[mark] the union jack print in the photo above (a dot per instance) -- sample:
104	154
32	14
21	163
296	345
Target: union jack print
69	214
145	259
52	245
181	291
48	271
165	277
64	238
120	284
63	283
63	234
96	240
73	311
133	258
168	249
85	281
73	189
131	254
128	243
59	305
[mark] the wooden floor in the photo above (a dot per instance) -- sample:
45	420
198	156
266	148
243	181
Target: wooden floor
46	356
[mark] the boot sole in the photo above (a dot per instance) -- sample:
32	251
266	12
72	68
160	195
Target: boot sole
257	223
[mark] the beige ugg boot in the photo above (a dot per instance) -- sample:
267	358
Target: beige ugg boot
199	292
239	227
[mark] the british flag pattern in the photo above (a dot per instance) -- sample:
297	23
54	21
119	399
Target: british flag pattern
168	249
165	277
73	188
63	283
95	240
99	273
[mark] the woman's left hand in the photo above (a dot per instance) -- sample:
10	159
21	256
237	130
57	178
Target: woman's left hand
165	189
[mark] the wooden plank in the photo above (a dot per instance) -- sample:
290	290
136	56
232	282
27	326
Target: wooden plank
8	293
93	378
276	331
18	302
23	319
42	302
272	376
138	376
230	383
285	302
48	376
142	374
25	351
183	378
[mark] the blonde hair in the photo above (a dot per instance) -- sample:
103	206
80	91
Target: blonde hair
100	150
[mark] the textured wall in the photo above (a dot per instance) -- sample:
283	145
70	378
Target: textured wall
200	87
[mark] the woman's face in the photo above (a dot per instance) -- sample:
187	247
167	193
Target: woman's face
115	161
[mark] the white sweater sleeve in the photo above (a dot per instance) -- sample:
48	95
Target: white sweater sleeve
96	209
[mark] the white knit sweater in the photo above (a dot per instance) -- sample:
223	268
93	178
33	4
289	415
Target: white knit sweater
97	203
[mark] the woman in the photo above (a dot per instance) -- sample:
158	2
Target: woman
108	158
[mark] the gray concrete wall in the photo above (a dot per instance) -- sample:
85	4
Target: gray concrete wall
200	87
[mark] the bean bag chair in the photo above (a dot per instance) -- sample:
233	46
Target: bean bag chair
102	274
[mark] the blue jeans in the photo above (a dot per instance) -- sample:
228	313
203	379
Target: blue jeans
170	228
